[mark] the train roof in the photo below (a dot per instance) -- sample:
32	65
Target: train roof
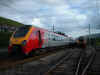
44	29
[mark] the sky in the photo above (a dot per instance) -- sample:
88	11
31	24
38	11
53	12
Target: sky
69	16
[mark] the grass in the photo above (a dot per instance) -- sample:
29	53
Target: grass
98	41
5	21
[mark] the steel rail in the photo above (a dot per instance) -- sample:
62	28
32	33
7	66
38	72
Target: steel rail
58	64
84	70
88	64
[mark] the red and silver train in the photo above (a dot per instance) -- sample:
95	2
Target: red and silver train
27	39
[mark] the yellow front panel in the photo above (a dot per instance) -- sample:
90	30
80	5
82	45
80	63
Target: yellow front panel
19	40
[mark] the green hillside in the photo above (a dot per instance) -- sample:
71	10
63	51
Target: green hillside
5	36
5	21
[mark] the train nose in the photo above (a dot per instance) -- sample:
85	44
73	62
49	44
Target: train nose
16	40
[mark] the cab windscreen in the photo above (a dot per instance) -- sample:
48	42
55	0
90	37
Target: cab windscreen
21	32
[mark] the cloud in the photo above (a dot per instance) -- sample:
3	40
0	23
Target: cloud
69	16
37	21
6	3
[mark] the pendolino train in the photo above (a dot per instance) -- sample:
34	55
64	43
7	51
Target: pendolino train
27	39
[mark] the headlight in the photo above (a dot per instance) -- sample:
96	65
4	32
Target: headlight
24	43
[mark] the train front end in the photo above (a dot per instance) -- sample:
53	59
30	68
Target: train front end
19	40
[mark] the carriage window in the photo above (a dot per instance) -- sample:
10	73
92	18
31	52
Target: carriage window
49	36
46	35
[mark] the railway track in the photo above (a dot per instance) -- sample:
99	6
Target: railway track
72	64
94	68
84	63
65	65
7	62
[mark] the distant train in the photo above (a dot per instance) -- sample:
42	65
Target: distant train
27	39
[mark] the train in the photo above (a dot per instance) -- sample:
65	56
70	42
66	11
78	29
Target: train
28	38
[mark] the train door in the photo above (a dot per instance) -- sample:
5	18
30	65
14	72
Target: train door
39	39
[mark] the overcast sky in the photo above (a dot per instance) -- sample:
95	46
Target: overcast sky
70	16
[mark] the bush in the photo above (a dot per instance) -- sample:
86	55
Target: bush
4	39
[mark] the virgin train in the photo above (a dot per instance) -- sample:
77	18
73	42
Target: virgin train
27	39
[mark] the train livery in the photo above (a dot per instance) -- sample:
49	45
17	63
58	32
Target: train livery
29	38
